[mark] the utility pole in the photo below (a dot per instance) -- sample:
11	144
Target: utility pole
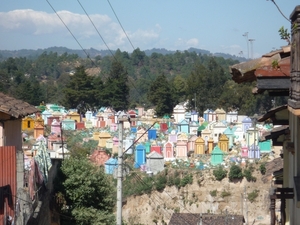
247	40
251	42
121	118
246	206
195	100
62	140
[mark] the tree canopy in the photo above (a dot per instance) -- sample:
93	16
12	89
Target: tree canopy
79	92
123	81
88	193
160	94
116	90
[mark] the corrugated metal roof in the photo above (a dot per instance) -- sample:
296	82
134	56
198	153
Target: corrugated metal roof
8	176
14	107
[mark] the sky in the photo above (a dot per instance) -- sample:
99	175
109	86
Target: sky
224	26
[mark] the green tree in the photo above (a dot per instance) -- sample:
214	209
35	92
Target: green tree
116	90
220	173
235	173
180	86
160	94
89	192
138	57
197	86
79	92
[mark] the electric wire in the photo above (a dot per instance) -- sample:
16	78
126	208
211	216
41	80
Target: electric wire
121	24
105	43
143	182
98	34
280	10
127	37
96	29
70	32
139	138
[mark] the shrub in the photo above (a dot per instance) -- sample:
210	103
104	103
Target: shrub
253	195
213	193
225	194
161	183
262	168
248	175
220	173
187	179
235	172
177	182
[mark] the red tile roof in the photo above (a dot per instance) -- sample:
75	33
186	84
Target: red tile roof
14	107
266	66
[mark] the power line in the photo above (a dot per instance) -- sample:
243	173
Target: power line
96	29
139	138
280	10
71	33
120	24
143	182
106	44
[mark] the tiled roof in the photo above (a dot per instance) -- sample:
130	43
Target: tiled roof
272	114
271	167
207	219
14	107
263	67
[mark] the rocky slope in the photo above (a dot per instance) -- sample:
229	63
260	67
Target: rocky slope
206	195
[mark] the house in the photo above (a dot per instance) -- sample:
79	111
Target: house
141	135
220	114
218	128
179	112
217	156
28	123
183	126
12	111
140	156
278	73
291	161
68	124
168	151
111	165
200	147
205	219
74	116
155	162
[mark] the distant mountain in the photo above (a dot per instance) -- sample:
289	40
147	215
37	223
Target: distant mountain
29	53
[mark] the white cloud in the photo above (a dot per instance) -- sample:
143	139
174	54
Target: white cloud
48	25
193	42
231	49
185	44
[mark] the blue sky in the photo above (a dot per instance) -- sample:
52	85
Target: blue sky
214	25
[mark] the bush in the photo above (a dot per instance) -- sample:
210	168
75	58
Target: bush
248	175
161	183
235	172
253	195
187	179
213	193
225	194
220	173
262	168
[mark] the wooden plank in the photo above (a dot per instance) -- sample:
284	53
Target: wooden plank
284	190
285	196
274	83
278	181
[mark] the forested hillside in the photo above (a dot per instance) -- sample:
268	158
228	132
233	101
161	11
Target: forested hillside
125	80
